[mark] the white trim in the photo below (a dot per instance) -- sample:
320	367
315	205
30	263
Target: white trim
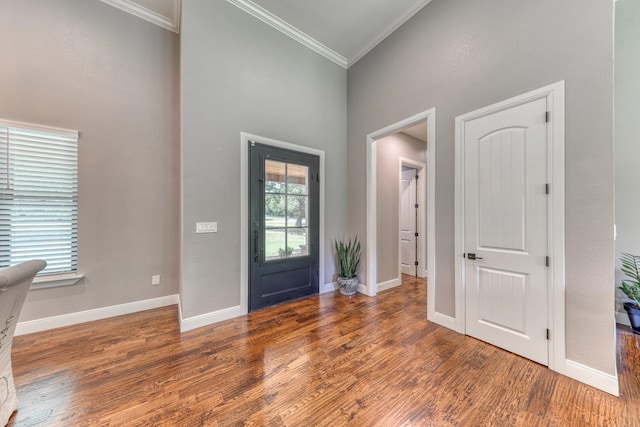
623	318
371	288
298	35
44	324
289	30
244	223
412	10
37	127
55	280
441	319
554	94
592	377
556	236
206	319
167	22
181	230
389	284
363	289
458	243
421	223
328	287
432	315
244	208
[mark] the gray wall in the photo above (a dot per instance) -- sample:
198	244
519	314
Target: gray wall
458	56
81	64
240	75
388	152
627	132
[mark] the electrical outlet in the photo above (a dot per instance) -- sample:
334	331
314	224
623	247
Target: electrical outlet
155	280
206	227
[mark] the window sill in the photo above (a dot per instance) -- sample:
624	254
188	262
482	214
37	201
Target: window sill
56	280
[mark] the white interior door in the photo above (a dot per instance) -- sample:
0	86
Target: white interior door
505	229
408	214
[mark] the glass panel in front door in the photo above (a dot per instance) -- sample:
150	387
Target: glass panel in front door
286	210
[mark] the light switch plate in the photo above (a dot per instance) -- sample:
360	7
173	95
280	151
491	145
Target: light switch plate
206	227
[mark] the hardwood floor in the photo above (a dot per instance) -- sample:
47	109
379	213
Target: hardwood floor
327	360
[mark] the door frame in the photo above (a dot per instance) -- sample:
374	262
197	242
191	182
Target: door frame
554	95
370	287
421	257
245	138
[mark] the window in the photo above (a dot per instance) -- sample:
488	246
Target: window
38	196
285	210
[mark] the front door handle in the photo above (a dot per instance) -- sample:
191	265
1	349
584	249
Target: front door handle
473	256
256	244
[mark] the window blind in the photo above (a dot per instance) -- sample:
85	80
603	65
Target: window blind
38	196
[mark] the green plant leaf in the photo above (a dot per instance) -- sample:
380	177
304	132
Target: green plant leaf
631	285
348	256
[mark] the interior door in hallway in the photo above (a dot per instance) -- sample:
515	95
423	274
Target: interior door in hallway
408	221
505	229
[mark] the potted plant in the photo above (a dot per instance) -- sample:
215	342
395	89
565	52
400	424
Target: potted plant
348	262
631	288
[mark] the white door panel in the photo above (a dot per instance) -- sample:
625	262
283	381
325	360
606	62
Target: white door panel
408	254
506	228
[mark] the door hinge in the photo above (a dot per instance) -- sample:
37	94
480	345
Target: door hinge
416	263
253	143
547	117
416	235
547	261
417	176
416	206
547	188
548	334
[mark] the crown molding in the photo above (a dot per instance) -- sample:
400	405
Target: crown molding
288	29
169	23
387	32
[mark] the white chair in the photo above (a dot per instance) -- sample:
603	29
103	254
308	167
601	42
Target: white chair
14	285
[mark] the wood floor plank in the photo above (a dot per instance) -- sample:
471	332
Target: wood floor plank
327	360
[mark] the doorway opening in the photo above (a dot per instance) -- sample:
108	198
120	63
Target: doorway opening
283	221
382	267
245	141
412	218
499	157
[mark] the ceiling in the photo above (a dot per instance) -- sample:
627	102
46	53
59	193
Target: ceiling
341	30
418	131
349	28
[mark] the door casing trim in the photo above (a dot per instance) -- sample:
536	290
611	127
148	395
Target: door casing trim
244	208
554	94
371	286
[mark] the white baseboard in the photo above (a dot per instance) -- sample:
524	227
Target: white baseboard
44	324
328	287
389	284
592	377
622	318
210	318
229	313
366	290
442	320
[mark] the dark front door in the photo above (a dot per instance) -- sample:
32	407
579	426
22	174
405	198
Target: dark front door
283	222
